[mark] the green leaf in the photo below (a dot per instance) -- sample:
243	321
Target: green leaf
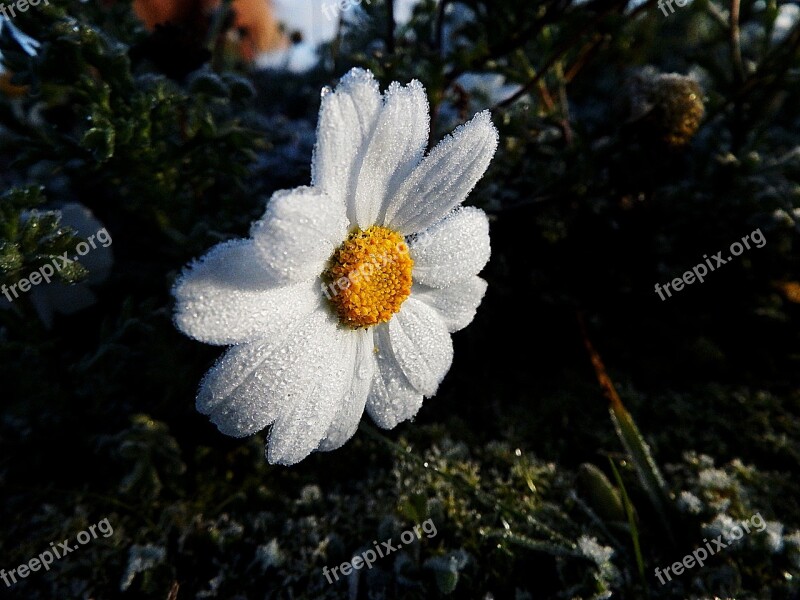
646	468
629	511
446	569
100	142
11	258
604	498
209	84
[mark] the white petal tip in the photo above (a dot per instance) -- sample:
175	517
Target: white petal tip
357	76
284	457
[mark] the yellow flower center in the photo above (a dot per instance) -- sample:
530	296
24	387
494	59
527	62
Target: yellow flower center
369	277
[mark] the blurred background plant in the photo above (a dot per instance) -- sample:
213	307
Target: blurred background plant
631	145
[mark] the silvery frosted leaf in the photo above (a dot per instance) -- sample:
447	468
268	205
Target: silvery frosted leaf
140	559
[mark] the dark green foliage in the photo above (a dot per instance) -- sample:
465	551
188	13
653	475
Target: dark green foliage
31	239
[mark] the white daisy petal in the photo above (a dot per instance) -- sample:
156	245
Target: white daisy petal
298	364
236	381
453	250
456	305
346	420
313	375
251	384
346	122
298	234
395	148
392	399
421	345
445	177
228	393
227	298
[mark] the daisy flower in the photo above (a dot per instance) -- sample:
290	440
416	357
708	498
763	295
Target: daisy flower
346	293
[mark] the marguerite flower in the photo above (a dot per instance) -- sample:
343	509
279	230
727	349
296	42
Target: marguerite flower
345	295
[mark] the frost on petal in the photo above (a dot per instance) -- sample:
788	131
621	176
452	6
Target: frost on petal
453	250
257	384
392	399
346	120
228	298
234	392
394	149
351	410
444	178
294	366
310	379
457	304
421	345
298	234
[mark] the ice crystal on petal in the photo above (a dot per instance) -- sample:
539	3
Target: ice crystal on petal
305	358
